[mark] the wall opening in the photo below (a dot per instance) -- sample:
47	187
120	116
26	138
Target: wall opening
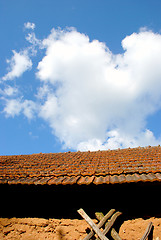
62	201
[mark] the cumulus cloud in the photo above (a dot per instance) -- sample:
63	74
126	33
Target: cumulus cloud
18	64
116	139
91	98
99	100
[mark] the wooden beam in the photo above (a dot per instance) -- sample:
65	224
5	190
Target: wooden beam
92	224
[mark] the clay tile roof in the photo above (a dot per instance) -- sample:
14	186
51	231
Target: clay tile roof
100	167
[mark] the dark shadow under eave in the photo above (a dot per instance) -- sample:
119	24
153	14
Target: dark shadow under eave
63	201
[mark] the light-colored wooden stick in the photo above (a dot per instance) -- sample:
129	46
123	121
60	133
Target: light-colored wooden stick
100	224
92	224
111	222
99	215
115	235
103	218
147	231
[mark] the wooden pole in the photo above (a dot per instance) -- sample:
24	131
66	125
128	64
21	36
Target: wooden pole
147	232
100	224
115	235
92	224
111	222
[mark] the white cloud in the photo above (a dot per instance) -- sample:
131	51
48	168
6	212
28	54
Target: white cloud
99	99
35	42
90	97
13	107
16	106
29	108
116	139
29	25
18	64
10	91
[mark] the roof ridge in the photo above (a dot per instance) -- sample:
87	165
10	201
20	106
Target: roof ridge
95	151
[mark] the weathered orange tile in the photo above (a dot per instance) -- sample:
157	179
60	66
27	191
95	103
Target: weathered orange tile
121	165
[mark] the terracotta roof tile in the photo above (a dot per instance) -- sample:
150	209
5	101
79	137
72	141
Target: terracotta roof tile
100	167
56	180
158	175
70	180
85	180
42	180
101	180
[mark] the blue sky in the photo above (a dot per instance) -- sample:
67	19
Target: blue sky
79	75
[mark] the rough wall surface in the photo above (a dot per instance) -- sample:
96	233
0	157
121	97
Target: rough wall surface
40	229
67	229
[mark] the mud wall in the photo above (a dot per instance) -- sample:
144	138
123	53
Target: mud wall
68	229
